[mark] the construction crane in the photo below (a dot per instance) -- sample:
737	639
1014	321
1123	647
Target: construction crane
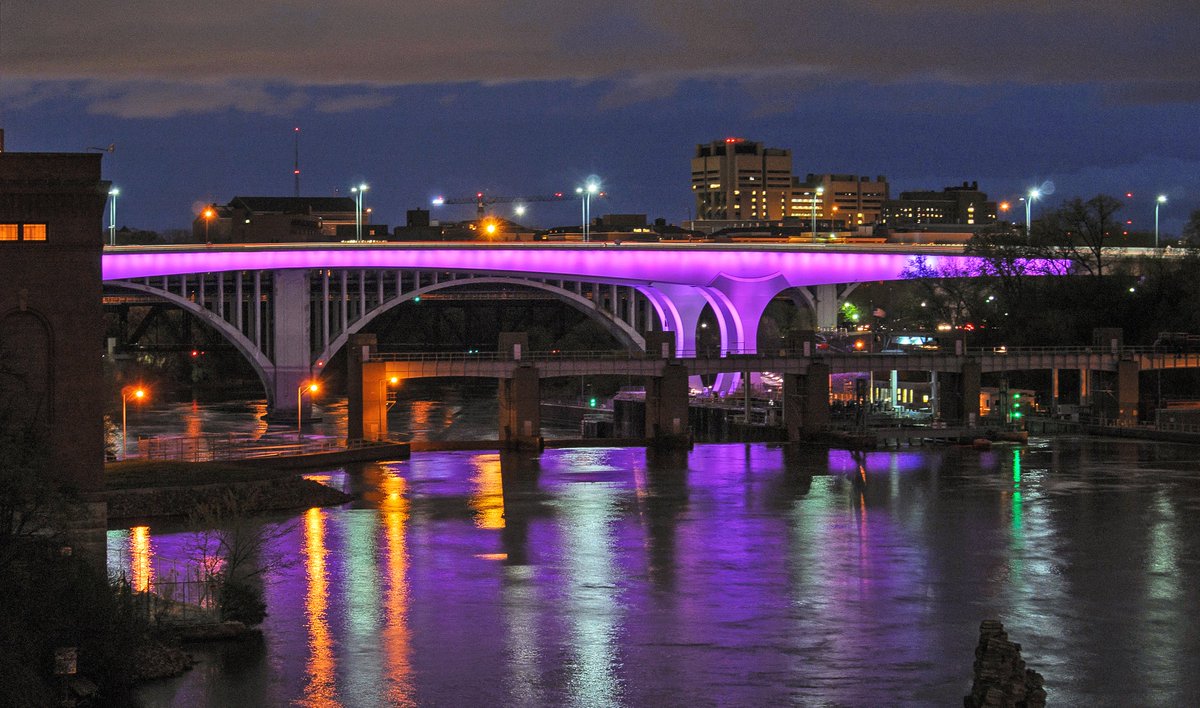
483	201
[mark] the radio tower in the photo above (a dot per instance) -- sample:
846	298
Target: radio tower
296	158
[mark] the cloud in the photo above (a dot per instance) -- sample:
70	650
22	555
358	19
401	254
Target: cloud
230	50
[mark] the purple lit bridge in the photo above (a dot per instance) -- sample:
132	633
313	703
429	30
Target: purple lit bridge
288	308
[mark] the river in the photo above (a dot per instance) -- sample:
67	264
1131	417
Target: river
730	574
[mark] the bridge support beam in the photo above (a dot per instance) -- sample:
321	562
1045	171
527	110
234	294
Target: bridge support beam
667	406
1127	393
520	410
806	401
292	355
359	349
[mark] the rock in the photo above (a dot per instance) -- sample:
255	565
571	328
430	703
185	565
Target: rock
157	660
1001	677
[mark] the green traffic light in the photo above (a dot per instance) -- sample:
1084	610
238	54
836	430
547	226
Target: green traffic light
592	402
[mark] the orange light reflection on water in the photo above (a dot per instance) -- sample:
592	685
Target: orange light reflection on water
321	663
140	557
488	499
394	508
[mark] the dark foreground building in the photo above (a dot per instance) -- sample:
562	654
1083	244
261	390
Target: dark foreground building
51	325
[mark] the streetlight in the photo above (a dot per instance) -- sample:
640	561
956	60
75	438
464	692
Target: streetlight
519	210
1033	194
358	211
816	194
138	393
209	214
383	402
1162	199
312	387
586	192
112	216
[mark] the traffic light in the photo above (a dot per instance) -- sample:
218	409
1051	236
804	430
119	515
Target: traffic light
1016	406
592	402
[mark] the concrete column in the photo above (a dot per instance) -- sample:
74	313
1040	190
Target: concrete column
358	349
1054	391
221	295
826	299
324	310
806	401
256	312
373	387
520	409
667	405
241	301
292	346
1085	393
969	390
345	306
1127	393
934	394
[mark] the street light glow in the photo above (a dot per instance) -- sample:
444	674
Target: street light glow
1162	199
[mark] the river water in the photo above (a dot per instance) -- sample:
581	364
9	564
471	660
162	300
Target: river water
727	575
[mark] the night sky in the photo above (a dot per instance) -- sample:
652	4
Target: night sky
422	99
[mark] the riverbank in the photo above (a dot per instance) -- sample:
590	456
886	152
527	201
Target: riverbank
146	489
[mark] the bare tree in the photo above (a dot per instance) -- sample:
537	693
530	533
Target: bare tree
1081	230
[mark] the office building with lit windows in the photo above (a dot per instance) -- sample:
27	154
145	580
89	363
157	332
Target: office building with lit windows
963	205
854	200
735	179
739	181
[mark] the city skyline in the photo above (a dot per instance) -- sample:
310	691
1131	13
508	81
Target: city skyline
1096	98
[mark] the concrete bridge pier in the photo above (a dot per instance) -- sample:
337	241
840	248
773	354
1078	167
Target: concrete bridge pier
806	401
359	349
292	354
667	406
1127	392
519	397
520	410
958	394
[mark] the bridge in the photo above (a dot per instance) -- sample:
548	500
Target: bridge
805	370
288	308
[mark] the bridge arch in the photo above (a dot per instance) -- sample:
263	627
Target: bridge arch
263	367
622	330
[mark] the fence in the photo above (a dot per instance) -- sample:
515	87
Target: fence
188	598
214	446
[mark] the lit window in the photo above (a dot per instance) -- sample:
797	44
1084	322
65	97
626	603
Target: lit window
34	232
8	232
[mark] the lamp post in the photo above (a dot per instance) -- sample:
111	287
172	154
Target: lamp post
1162	199
383	403
312	387
209	214
112	216
817	193
586	192
358	211
1033	194
138	393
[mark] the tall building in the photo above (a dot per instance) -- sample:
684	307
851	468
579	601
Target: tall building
741	182
735	179
964	205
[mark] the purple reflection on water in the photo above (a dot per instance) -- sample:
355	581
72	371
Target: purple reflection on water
731	574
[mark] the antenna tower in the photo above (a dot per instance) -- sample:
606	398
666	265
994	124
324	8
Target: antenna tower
296	159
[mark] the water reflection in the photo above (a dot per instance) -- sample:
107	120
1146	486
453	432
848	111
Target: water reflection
319	689
393	507
142	573
730	574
